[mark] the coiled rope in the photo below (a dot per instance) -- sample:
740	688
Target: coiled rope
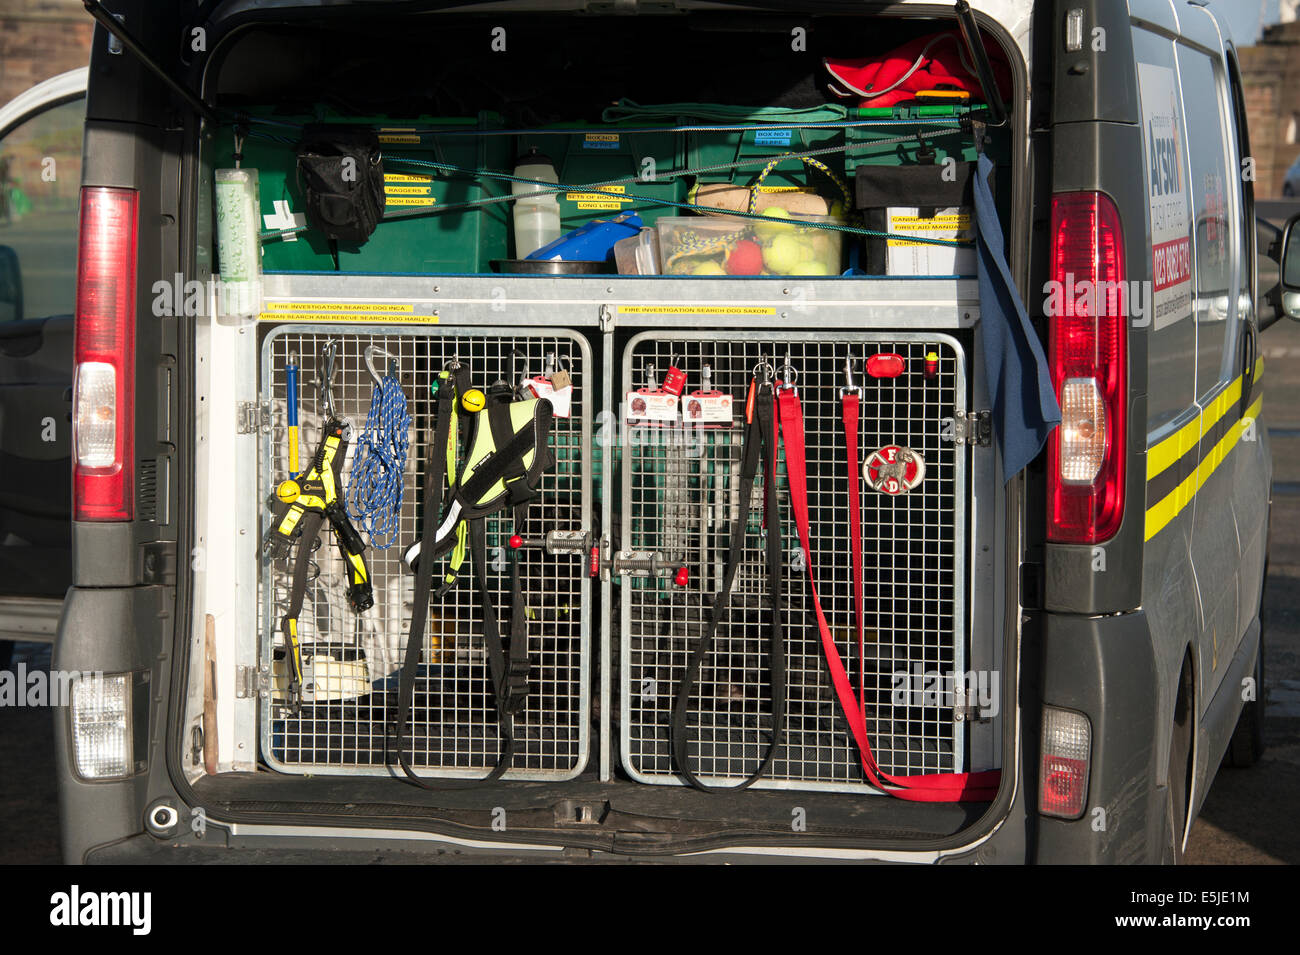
375	486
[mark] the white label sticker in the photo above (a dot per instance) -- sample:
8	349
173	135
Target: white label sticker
561	399
651	406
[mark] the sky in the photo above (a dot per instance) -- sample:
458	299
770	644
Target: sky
1243	17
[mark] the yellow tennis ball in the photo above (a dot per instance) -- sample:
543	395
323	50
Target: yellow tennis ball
784	254
288	491
473	400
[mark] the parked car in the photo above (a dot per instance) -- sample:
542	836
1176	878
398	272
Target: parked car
937	626
40	174
1291	181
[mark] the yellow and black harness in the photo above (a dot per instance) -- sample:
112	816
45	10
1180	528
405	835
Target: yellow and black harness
506	452
302	506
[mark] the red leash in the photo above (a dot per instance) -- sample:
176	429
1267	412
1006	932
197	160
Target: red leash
932	787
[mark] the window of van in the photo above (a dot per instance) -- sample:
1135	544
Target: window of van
1172	335
1215	198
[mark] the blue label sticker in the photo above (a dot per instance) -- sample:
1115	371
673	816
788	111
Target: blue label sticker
773	137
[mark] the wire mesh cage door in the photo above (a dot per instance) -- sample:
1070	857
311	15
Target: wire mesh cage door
351	661
680	494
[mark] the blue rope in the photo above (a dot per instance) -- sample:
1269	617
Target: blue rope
374	495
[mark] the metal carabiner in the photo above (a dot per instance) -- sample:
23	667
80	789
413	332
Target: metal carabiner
369	355
763	372
789	377
326	377
850	386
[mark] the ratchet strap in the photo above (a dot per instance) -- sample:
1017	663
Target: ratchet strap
505	475
302	506
760	437
931	787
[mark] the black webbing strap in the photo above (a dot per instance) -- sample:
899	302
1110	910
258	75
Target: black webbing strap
509	676
759	439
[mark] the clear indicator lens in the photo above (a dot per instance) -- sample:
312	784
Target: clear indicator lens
95	415
1083	431
101	726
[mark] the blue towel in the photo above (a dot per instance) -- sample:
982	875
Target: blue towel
1024	404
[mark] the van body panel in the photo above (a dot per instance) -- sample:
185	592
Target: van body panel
1110	644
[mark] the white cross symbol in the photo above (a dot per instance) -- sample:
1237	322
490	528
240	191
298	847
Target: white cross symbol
285	219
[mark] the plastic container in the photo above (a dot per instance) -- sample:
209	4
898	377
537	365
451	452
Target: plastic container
729	245
459	241
536	217
597	153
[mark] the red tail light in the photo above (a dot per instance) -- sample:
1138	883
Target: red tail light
103	406
1089	359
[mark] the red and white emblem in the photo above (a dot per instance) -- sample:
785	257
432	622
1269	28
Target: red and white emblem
893	470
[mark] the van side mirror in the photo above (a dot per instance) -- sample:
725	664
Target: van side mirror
1289	268
11	285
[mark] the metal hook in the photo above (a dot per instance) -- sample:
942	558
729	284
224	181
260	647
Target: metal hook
850	386
788	374
370	352
327	376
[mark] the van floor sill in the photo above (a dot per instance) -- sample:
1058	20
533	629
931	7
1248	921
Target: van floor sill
618	806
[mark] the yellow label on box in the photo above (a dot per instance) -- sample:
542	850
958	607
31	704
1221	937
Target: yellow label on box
405	177
405	190
339	307
342	317
942	226
409	200
696	310
394	139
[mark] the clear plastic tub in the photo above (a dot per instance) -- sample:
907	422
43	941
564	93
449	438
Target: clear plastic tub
729	245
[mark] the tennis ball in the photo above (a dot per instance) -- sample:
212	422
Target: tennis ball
288	491
784	254
473	400
770	230
810	267
745	259
709	267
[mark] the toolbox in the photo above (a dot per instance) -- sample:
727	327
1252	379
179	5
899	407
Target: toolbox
462	241
590	154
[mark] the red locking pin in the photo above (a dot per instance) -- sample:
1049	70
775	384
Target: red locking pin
683	577
516	541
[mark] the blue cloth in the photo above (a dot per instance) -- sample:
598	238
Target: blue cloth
1020	383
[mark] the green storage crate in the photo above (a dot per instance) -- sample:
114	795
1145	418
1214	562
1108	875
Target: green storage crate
595	153
867	145
454	242
752	147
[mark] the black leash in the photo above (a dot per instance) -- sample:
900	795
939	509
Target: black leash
760	439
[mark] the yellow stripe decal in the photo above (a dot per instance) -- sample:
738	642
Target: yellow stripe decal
1164	511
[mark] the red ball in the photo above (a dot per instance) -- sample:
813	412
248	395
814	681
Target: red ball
516	541
745	259
683	577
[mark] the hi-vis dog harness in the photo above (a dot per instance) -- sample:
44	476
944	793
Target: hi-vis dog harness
506	454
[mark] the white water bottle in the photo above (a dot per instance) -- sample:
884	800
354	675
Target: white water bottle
537	217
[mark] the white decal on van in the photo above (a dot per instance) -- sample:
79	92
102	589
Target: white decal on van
1171	244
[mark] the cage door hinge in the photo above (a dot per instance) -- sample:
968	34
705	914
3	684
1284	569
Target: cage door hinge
250	681
252	417
972	427
964	711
